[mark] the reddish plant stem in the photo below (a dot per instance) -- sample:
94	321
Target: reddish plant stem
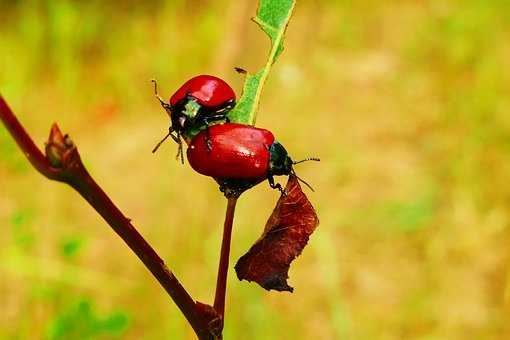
25	143
98	199
221	283
73	172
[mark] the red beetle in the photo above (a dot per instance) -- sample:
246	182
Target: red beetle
197	103
210	92
241	157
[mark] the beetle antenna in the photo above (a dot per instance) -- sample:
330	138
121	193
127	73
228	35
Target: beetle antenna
161	142
165	105
302	180
307	159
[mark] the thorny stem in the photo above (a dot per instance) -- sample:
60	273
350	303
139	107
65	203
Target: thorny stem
63	163
221	283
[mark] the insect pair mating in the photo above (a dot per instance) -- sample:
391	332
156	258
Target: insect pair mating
237	156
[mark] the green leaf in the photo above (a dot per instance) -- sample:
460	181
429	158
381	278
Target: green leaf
272	17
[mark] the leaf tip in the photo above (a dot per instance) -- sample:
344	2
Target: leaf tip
276	282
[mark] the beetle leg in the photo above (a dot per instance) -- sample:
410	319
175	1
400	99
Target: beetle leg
181	152
178	140
208	142
207	120
274	185
230	105
169	134
227	107
208	138
234	188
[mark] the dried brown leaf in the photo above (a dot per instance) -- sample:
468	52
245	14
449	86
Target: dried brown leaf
286	234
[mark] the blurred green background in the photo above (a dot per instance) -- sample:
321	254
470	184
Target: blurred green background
406	102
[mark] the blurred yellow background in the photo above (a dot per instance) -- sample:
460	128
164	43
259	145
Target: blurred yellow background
406	103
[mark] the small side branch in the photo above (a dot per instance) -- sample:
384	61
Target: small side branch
62	163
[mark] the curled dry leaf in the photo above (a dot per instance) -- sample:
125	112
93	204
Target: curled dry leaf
286	234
